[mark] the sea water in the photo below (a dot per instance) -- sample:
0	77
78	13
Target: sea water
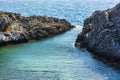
55	58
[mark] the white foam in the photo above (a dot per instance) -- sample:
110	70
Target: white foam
78	27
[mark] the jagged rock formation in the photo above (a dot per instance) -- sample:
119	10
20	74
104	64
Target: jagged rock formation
101	33
15	28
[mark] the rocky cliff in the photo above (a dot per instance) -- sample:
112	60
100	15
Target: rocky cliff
15	28
101	33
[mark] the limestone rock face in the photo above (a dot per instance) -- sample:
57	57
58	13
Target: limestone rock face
15	28
101	33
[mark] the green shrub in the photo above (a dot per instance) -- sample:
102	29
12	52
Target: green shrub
1	13
10	15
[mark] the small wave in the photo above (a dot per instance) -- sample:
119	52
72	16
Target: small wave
78	27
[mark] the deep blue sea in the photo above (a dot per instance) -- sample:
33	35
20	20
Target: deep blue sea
55	58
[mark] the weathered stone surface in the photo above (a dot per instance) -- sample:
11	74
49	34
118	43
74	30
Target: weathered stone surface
15	28
101	33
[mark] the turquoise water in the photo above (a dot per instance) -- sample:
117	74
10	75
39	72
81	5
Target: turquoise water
54	58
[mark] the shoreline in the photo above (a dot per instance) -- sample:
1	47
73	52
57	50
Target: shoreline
100	34
19	29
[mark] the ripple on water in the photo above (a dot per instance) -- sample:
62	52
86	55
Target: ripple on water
54	58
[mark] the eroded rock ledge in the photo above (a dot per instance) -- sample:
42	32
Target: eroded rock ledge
101	33
15	28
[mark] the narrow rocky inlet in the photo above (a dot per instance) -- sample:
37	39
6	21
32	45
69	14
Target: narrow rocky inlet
101	33
43	56
15	28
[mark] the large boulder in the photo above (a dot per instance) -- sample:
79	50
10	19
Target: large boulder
101	33
15	28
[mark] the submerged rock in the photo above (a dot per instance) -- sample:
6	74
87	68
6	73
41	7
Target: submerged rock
101	33
15	28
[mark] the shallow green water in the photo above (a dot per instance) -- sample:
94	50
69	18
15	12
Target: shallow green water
53	58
